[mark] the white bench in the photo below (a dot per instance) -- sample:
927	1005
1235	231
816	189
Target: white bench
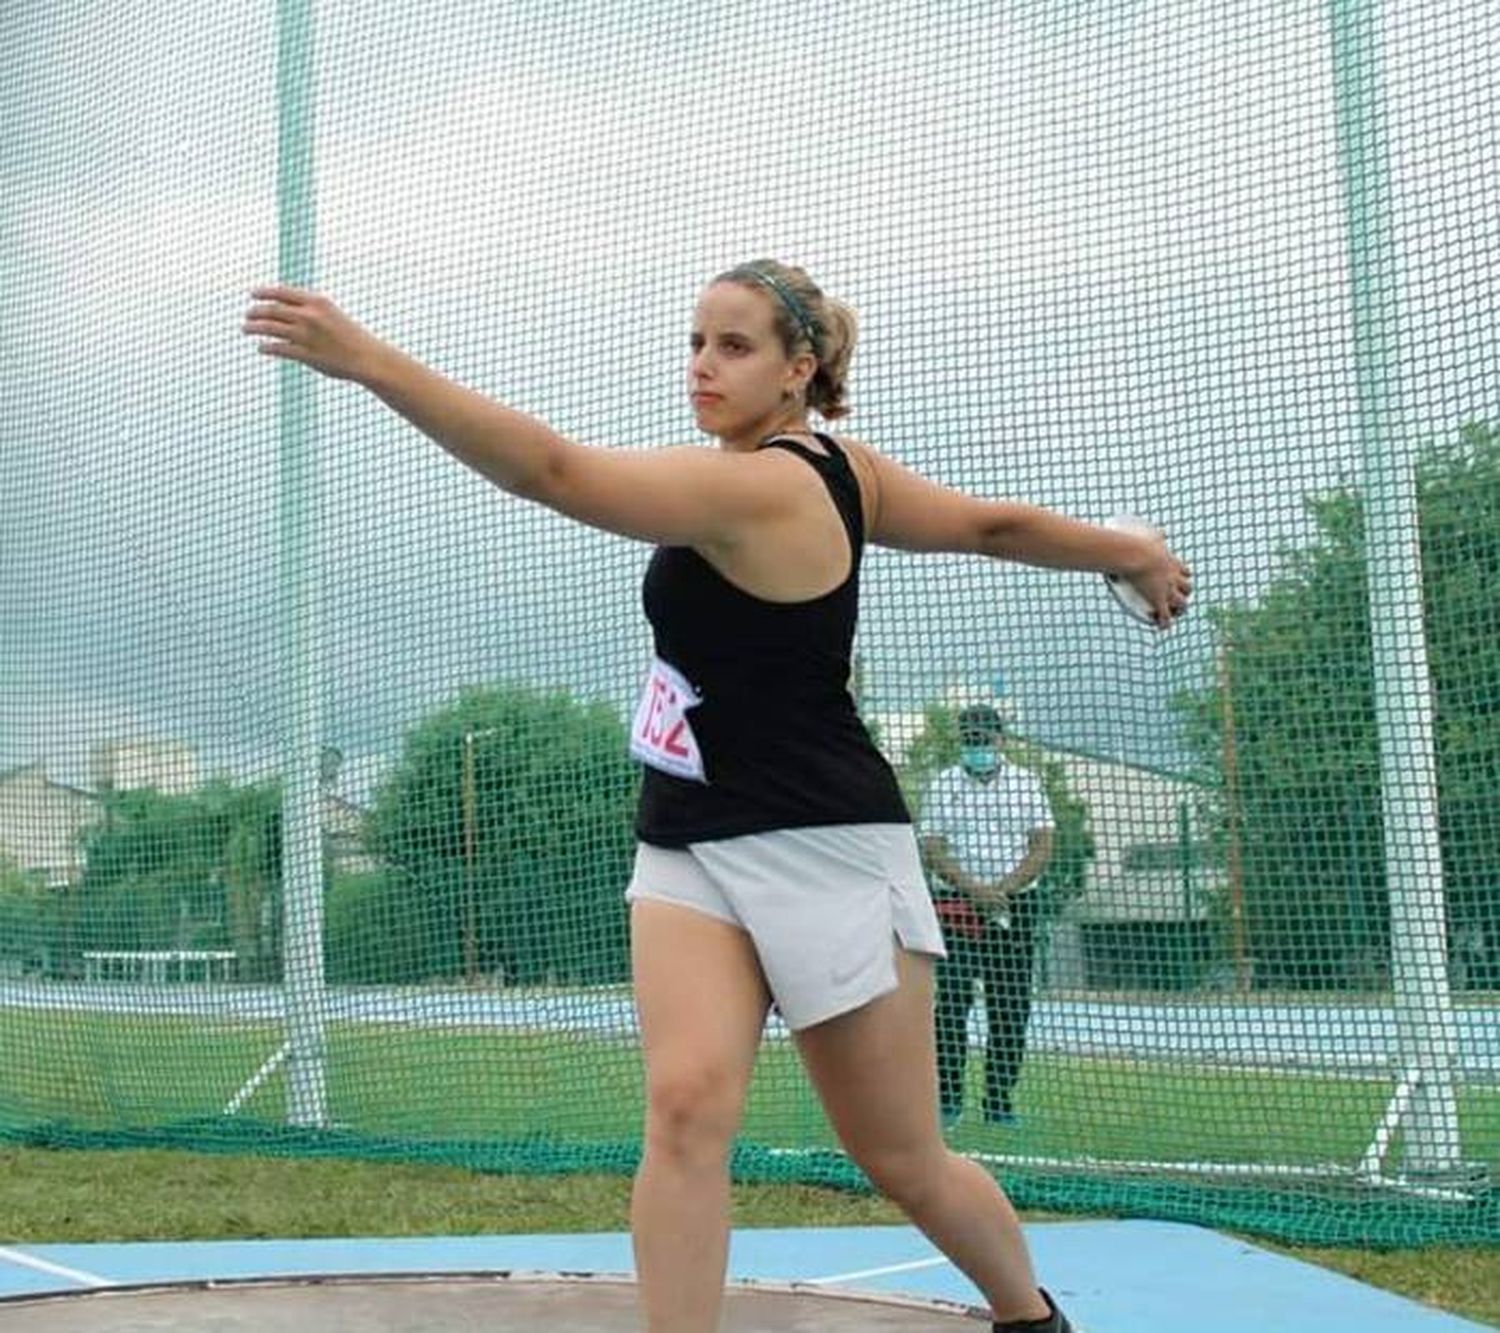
158	966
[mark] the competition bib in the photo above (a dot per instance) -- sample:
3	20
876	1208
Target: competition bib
660	735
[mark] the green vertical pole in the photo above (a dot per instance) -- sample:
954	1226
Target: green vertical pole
1184	936
302	841
1426	1030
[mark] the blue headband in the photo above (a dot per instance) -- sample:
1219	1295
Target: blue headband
786	296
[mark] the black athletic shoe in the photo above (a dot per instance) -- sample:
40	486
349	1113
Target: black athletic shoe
1056	1322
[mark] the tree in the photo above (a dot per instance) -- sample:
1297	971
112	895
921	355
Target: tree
251	875
1297	683
197	871
507	825
30	919
377	931
934	748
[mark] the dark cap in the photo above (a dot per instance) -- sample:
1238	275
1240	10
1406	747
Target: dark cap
979	724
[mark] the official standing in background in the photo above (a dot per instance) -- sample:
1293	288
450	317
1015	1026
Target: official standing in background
987	835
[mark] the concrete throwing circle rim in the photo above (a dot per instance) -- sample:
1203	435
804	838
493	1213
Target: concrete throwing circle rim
526	1285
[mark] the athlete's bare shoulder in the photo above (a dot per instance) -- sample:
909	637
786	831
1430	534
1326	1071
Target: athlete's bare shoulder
862	460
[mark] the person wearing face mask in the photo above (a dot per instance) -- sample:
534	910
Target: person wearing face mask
987	836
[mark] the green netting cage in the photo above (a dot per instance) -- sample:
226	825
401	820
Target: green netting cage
315	805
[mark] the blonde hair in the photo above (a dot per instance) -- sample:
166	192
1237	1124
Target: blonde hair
806	317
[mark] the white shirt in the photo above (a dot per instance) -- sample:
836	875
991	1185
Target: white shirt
987	822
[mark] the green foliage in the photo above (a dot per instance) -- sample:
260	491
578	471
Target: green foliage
505	853
378	931
936	747
198	871
1066	875
1305	786
30	921
506	829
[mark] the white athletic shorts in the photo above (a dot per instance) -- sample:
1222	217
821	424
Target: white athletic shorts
826	907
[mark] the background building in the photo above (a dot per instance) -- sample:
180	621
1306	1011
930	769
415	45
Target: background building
1147	914
42	822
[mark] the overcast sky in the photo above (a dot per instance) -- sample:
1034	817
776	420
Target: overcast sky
1099	260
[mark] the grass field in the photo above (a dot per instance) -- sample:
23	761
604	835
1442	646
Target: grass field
121	1196
108	1072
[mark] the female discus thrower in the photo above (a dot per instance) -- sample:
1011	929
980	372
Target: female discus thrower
776	859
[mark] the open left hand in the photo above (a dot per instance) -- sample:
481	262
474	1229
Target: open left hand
299	325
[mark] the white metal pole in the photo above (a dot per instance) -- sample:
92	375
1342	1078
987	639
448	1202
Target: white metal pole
302	837
1426	1030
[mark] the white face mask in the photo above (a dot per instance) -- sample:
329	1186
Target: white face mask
980	760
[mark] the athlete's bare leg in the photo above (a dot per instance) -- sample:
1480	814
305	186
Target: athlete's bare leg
702	1001
876	1073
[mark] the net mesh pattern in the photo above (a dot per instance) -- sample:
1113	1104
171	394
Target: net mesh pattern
315	801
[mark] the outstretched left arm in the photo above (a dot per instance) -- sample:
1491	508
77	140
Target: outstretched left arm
913	514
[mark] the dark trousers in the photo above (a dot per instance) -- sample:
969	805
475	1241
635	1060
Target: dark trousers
1001	959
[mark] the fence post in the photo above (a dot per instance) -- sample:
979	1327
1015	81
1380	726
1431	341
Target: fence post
302	762
1426	1030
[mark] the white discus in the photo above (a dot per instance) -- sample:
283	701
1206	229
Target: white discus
1131	601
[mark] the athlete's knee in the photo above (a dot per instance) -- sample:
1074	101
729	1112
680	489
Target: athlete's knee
905	1173
692	1112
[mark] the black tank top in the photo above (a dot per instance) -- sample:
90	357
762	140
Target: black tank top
773	740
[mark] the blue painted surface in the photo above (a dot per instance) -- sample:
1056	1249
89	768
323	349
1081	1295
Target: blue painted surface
18	1281
1113	1277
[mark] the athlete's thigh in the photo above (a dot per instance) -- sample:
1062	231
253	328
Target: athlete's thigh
875	1069
700	995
